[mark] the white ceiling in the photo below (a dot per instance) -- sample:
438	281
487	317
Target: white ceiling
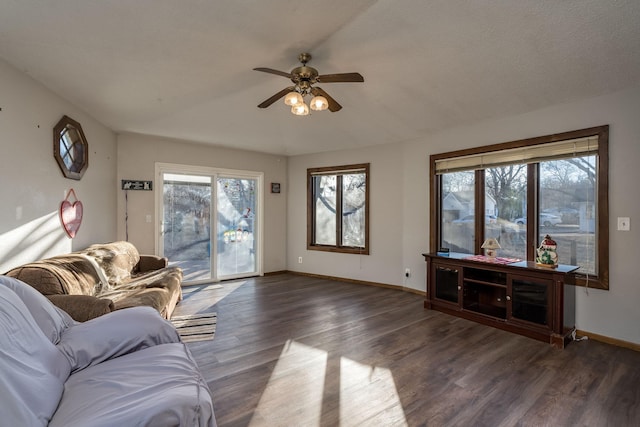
183	69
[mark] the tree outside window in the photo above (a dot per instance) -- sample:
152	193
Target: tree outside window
338	207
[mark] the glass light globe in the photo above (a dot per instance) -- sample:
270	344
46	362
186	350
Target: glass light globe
300	109
293	98
319	103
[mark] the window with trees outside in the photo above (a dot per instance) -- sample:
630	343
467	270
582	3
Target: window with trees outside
338	209
518	192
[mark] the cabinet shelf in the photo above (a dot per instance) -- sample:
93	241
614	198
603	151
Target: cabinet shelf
488	310
519	298
482	282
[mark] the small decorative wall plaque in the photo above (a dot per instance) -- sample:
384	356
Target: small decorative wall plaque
132	184
275	187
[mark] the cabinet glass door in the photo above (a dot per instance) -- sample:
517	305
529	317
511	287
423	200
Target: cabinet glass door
530	300
447	283
485	291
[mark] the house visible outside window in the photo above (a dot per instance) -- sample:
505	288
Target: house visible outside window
338	209
518	192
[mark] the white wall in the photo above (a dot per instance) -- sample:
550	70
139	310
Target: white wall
400	204
137	156
384	264
33	186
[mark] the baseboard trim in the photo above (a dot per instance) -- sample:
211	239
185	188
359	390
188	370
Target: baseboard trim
608	340
360	282
275	273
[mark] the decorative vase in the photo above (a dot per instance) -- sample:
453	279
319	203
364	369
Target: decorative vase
546	254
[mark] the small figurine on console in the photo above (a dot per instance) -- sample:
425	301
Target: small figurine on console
491	247
547	256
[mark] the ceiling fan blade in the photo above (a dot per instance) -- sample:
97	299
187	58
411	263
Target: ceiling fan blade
333	104
275	97
272	71
341	77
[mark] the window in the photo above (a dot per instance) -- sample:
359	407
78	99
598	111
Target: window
457	222
338	209
559	181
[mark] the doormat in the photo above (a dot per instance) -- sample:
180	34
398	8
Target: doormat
195	327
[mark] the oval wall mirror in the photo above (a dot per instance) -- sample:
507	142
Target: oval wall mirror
70	148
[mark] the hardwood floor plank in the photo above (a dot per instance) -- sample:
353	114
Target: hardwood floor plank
293	350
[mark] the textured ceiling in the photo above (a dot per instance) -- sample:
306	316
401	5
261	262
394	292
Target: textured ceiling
183	69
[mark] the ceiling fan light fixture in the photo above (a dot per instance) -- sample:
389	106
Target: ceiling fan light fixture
300	109
303	79
293	98
319	103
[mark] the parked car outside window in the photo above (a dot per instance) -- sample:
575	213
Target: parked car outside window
546	219
489	219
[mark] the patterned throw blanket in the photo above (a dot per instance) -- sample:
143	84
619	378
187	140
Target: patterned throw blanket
493	260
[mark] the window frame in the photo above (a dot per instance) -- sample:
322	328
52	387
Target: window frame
337	170
601	279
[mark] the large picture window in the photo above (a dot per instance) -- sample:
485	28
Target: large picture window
518	192
338	209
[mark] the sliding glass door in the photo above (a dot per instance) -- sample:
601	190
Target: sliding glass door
186	224
236	209
209	244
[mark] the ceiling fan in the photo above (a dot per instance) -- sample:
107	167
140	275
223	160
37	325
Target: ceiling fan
304	78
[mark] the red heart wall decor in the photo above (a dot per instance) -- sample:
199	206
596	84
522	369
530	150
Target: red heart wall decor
71	214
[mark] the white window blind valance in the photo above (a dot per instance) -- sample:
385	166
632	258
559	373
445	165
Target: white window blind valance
529	154
341	170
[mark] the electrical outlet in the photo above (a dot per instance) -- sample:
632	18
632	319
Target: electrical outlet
407	272
624	223
299	260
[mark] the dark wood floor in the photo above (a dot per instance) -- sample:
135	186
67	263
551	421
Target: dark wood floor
298	351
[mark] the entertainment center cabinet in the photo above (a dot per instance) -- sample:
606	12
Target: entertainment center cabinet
520	297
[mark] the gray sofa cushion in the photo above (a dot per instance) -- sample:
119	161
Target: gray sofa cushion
155	386
115	336
51	320
32	369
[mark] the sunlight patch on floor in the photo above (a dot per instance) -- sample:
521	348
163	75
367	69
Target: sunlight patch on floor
293	395
367	390
203	297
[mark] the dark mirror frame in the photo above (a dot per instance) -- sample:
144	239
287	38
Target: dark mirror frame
77	154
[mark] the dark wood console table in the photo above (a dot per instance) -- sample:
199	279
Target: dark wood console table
519	297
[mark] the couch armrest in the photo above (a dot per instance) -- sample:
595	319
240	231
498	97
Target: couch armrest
82	307
150	263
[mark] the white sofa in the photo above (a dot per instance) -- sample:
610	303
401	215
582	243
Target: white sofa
126	368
